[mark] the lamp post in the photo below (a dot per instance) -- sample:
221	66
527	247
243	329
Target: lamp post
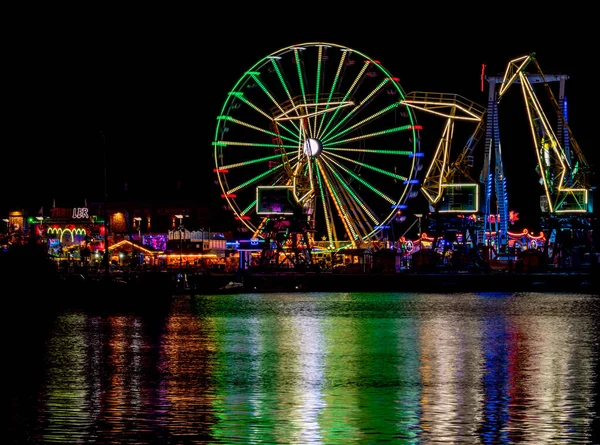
41	231
180	228
106	259
419	215
138	223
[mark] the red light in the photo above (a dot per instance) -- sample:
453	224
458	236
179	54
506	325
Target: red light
482	75
416	127
228	195
245	218
220	170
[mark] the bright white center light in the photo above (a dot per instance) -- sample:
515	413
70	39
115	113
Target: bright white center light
312	147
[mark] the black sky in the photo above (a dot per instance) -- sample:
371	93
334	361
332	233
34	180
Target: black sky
154	90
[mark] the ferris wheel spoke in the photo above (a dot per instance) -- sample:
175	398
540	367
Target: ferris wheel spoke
378	170
344	217
265	89
269	117
276	68
309	102
331	137
244	99
326	205
294	105
247	125
361	216
359	106
305	105
256	180
405	153
249	208
346	95
318	79
266	159
345	188
332	90
362	137
292	133
300	73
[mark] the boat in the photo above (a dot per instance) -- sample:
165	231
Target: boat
232	287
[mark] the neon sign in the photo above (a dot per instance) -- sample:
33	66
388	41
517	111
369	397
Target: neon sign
74	213
80	213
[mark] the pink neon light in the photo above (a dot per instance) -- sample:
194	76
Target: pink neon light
482	75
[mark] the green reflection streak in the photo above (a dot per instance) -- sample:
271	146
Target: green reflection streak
67	385
373	367
284	374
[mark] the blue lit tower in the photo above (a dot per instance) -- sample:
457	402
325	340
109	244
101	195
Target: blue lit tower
495	219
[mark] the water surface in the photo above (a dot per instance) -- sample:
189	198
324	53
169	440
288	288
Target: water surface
314	368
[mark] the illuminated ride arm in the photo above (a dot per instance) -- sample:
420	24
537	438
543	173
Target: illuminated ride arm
562	167
442	176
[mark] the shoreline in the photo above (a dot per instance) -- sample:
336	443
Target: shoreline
446	282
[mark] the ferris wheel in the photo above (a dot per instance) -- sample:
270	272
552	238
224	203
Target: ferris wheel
318	132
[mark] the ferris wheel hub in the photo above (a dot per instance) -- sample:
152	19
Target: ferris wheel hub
312	147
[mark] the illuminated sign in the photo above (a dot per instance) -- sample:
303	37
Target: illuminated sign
74	213
80	213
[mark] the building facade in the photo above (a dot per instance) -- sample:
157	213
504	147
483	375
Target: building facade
135	234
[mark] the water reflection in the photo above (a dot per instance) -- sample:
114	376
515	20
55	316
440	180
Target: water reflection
320	368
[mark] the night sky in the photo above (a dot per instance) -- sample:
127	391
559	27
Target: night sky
147	95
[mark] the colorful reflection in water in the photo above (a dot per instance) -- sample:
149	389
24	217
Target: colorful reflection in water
330	368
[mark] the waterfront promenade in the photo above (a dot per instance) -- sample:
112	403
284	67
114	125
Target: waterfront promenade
30	271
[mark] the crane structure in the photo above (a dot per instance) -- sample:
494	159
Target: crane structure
452	194
566	199
443	182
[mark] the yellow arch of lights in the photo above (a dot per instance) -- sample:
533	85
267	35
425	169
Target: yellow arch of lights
60	232
136	246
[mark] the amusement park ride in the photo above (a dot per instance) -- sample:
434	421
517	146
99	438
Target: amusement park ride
315	152
317	149
566	203
448	186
